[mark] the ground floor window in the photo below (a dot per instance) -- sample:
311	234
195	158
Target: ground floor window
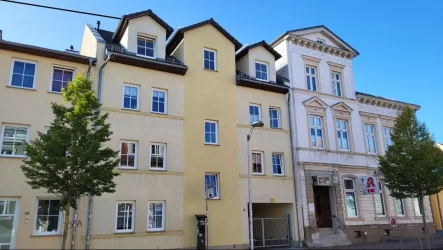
351	198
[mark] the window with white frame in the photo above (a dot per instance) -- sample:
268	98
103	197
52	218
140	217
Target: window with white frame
130	97
209	59
211	132
277	164
379	200
158	156
159	101
125	217
342	134
371	145
400	207
387	134
212	185
316	131
60	78
13	140
261	71
145	46
47	216
254	113
257	163
128	154
417	208
156	216
311	78
274	117
23	74
336	83
351	198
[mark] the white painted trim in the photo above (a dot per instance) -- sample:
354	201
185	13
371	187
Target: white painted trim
259	111
267	70
12	70
163	217
2	135
282	164
132	220
164	156
215	58
138	96
262	158
135	154
52	76
60	218
166	100
154	46
278	117
216	132
217	175
15	222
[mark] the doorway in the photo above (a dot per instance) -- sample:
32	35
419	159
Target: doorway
322	203
9	209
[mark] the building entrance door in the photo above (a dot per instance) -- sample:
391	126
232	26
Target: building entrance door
322	203
8	222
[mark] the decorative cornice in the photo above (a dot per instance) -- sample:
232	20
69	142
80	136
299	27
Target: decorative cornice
380	103
300	41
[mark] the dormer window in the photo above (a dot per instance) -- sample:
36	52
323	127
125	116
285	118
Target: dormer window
261	71
146	46
321	41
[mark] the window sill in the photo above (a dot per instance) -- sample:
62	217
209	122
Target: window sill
381	218
135	110
278	128
16	87
155	231
158	113
14	156
54	92
258	174
213	199
127	168
148	57
354	219
211	70
279	175
212	144
47	235
132	232
158	169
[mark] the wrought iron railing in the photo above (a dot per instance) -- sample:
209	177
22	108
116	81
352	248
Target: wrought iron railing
120	49
246	76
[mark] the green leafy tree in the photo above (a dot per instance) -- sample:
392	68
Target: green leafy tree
72	160
413	165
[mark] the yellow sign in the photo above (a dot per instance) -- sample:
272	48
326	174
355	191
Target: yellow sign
272	200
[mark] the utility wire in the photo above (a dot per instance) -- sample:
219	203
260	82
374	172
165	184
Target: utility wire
55	8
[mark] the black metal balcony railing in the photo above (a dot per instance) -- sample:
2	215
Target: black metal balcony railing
121	50
246	76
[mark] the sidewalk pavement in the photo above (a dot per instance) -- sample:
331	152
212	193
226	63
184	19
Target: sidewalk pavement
407	243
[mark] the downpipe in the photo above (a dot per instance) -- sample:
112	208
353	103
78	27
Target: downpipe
90	203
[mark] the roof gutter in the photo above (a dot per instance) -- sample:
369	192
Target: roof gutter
99	94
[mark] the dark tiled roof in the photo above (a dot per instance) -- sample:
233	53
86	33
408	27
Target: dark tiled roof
121	27
44	52
246	80
314	27
383	98
178	36
242	52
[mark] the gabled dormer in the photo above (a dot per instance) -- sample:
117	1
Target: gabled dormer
258	61
143	33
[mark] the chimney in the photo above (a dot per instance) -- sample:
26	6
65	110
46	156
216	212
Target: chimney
98	24
1	38
71	48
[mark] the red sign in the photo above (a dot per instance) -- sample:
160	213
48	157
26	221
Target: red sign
370	185
393	222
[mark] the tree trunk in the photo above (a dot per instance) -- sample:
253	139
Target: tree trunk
65	226
423	216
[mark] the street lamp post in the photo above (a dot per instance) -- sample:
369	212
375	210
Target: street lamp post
248	139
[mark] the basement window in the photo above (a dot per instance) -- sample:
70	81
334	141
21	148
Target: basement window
357	234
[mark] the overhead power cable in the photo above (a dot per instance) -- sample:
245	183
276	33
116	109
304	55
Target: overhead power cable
61	9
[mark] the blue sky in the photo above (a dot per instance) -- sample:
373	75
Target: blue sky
399	41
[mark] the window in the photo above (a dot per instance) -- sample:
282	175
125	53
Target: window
316	129
387	134
336	83
156	216
145	46
400	207
321	41
209	59
158	157
417	208
159	103
23	74
212	187
48	217
371	146
211	132
342	134
274	117
14	139
254	113
379	201
130	97
277	164
311	78
125	217
261	71
60	79
351	198
257	163
128	155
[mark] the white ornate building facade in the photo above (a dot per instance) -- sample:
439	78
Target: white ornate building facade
337	135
